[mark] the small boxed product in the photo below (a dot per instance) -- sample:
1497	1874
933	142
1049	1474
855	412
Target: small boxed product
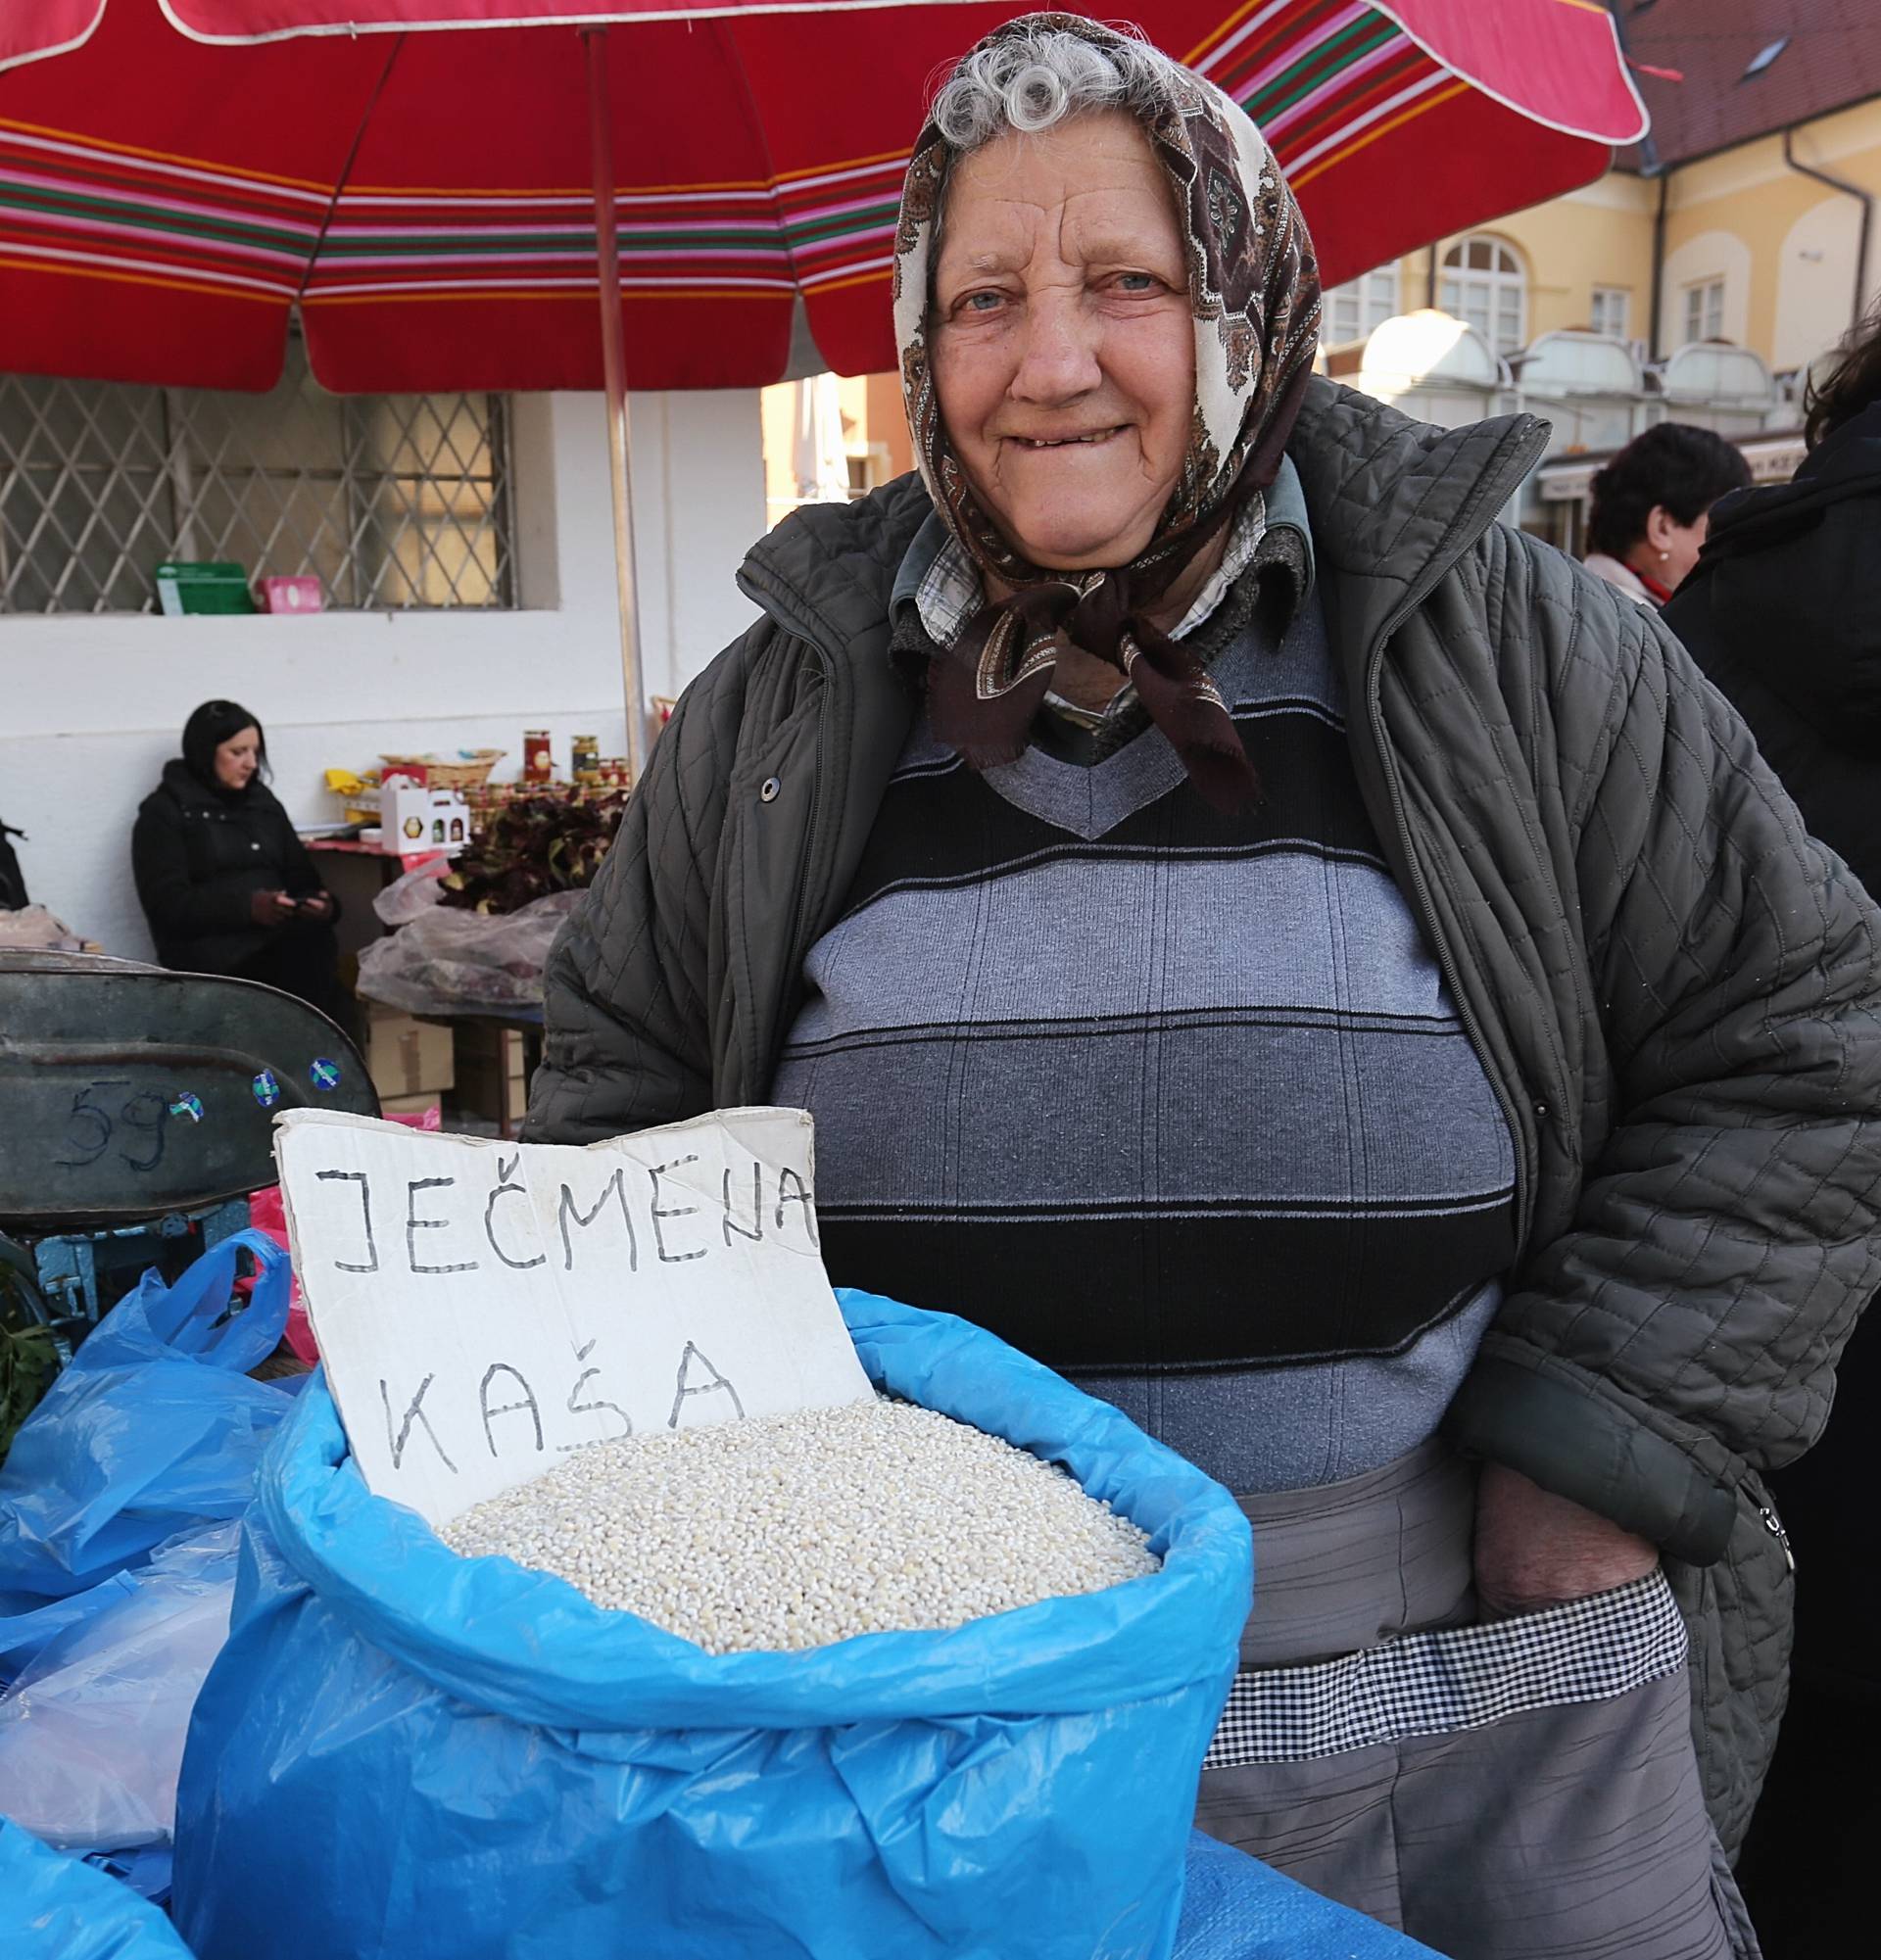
413	818
195	587
300	592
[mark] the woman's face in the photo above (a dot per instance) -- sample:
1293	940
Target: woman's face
237	758
1064	349
1674	547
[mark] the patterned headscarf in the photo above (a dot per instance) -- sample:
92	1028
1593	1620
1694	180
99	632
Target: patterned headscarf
1254	287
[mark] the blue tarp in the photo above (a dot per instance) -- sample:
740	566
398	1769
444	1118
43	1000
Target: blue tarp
53	1907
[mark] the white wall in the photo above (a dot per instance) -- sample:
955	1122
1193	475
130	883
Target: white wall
1815	282
91	705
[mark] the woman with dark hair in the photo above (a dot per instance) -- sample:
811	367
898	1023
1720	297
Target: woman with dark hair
1652	504
1784	615
226	885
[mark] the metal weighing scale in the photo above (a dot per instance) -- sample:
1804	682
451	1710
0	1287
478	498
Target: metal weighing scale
136	1118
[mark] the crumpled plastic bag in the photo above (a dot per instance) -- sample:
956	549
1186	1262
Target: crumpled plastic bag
91	1734
497	1768
449	960
32	928
414	893
154	1429
53	1907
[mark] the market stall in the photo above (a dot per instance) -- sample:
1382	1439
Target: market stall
701	1738
913	1723
454	885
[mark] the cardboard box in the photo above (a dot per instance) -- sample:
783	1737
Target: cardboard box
490	1046
483	1091
184	586
412	818
411	1105
406	1056
300	592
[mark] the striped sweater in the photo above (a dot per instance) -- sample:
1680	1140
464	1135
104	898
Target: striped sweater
1175	1101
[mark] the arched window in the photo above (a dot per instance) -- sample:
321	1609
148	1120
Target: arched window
1360	306
1486	284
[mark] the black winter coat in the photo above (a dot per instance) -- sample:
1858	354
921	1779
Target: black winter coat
1784	614
13	881
199	856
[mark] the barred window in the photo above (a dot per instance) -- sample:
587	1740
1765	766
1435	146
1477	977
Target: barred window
393	502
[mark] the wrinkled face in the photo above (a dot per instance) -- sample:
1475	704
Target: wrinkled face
1063	340
237	758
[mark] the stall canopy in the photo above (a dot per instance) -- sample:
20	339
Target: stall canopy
451	191
176	178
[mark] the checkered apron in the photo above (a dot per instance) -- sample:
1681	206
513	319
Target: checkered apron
1511	1790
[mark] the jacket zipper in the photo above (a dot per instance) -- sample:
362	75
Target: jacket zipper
1766	1516
799	908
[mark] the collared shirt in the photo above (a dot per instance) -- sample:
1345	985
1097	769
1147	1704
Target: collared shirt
941	584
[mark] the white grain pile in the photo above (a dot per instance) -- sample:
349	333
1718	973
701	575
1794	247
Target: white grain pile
793	1531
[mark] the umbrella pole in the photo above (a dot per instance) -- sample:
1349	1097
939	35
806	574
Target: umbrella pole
613	353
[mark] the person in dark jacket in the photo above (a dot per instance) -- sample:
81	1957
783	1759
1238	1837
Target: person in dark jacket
1783	614
13	881
1652	504
225	883
1315	967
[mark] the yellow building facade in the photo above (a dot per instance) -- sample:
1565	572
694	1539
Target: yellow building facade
1761	245
827	434
1753	250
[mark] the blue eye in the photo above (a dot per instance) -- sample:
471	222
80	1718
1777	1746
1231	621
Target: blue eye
982	302
1137	282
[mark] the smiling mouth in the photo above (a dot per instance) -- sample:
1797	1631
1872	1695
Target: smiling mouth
1066	442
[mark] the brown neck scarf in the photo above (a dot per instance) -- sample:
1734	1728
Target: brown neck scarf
1254	288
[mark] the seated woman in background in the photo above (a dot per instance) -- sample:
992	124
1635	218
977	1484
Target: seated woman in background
226	885
1653	508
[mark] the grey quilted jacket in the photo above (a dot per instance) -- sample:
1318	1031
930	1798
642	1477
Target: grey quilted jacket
1673	989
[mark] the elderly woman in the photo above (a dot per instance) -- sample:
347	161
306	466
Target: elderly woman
1310	964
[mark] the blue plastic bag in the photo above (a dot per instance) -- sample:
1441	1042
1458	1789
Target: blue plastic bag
1236	1908
154	1429
443	1759
55	1908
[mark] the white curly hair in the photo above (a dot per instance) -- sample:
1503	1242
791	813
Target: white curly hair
1032	79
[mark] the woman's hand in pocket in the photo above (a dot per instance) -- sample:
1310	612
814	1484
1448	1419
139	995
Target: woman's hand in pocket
1535	1550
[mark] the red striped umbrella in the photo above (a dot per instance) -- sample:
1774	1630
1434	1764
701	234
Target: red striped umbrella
427	197
420	176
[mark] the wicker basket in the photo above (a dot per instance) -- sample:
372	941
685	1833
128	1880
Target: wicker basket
468	771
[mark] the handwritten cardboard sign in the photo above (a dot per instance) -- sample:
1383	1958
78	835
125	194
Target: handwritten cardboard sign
483	1308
